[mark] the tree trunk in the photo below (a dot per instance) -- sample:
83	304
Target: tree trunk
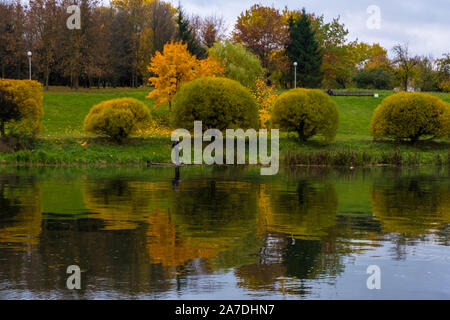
46	77
18	70
76	82
301	134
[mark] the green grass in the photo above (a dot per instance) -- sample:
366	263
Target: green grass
354	144
65	109
62	140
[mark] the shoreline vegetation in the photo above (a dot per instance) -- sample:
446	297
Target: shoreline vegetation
63	142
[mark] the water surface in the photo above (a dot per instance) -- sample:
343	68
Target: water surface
224	233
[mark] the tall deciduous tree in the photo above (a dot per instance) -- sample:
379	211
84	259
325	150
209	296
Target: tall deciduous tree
12	39
303	48
443	66
43	27
209	29
405	64
261	30
426	78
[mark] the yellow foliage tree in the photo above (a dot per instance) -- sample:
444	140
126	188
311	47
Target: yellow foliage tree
265	96
175	67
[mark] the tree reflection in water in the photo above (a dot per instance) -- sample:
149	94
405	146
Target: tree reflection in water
143	233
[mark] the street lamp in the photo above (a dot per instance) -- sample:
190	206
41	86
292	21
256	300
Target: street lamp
295	74
29	54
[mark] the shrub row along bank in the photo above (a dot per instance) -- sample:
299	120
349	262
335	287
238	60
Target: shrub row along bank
153	150
222	103
362	158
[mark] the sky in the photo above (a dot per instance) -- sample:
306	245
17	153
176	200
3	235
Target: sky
423	24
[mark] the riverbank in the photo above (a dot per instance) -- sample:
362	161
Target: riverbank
157	149
63	142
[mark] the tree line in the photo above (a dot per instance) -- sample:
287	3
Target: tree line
114	46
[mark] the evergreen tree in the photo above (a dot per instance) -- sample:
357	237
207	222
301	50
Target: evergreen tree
188	36
303	48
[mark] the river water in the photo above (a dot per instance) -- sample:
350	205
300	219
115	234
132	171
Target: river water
224	233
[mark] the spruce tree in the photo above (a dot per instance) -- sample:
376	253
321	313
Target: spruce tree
187	35
303	48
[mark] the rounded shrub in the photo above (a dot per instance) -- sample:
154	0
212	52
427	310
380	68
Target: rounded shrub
117	118
307	112
219	103
22	111
411	115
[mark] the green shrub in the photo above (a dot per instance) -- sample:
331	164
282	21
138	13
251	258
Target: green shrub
374	79
307	112
219	103
21	107
411	116
117	118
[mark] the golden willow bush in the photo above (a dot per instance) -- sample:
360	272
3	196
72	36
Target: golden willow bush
117	118
220	103
411	115
307	112
21	107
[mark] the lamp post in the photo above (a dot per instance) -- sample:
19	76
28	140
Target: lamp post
29	54
295	74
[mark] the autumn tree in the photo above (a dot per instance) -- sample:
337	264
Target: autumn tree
303	48
6	37
337	64
161	23
12	39
443	69
76	47
426	78
405	64
175	67
43	24
136	12
157	29
378	58
208	30
261	30
148	25
213	30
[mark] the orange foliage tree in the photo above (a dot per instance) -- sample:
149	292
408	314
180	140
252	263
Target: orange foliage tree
175	67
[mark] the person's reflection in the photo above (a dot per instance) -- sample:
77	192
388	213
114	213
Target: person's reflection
176	180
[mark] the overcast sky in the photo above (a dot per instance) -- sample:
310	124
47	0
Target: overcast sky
423	24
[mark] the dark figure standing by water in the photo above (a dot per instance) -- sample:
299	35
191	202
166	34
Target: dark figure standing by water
176	180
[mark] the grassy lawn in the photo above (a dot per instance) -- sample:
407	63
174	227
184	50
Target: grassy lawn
62	140
65	109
